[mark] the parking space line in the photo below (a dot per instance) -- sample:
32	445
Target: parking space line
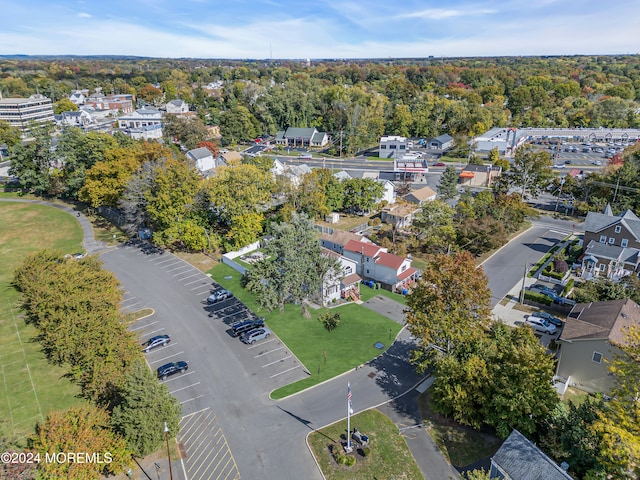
192	275
144	326
199	287
197	424
202	292
202	449
195	281
263	343
133	305
178	268
184	388
190	426
225	465
159	257
156	330
215	449
288	370
124	300
191	399
215	467
163	359
193	413
277	361
270	351
170	259
172	264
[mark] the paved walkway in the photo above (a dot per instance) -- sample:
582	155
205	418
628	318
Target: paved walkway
91	245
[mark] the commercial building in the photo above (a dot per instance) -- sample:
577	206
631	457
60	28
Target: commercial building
21	112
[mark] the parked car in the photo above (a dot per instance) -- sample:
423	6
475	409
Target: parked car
157	341
244	326
439	164
254	335
544	290
219	296
548	317
169	369
540	325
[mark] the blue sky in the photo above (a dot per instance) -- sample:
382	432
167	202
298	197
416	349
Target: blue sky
319	28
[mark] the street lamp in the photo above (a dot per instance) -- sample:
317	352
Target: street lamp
166	438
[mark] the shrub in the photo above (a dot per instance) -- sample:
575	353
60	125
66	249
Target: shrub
560	265
341	457
537	297
330	320
568	287
365	451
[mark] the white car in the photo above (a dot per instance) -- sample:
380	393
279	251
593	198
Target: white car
540	325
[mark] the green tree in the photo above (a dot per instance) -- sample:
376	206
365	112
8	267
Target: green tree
400	120
9	135
238	124
494	155
531	171
188	132
450	304
32	163
296	269
600	290
84	428
64	105
330	320
361	194
619	424
448	183
144	407
433	225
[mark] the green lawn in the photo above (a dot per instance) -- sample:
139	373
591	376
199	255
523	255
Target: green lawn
389	456
30	386
349	345
367	293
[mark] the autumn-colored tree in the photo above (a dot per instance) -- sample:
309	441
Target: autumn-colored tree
83	429
212	147
448	305
150	94
531	172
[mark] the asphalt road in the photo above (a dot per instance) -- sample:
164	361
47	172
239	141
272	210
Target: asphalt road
507	266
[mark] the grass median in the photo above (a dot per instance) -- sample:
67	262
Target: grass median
324	354
31	386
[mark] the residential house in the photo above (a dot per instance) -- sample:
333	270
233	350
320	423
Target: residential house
343	285
612	244
388	192
148	132
203	158
392	146
78	96
479	175
443	142
375	263
292	172
335	240
519	459
400	215
143	117
21	112
177	107
588	342
342	175
421	196
230	157
79	118
302	137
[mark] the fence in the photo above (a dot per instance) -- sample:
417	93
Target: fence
228	258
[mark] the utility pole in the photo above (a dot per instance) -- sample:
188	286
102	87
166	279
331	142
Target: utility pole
340	144
166	437
559	194
524	277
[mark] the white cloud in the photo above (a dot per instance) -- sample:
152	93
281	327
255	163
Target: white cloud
441	13
84	15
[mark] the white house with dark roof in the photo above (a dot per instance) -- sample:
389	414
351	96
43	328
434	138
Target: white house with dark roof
519	459
203	158
302	137
344	284
612	244
177	107
78	96
375	263
588	342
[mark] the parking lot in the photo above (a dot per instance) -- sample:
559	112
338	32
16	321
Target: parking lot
201	335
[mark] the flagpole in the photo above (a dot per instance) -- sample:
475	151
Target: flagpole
348	417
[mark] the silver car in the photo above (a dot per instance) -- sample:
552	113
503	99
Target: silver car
256	334
541	325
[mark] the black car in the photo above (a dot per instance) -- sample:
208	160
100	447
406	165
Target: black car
157	341
170	368
239	328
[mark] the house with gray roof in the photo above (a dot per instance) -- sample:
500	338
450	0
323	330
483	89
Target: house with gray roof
612	244
519	459
443	142
203	158
589	340
302	137
177	107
